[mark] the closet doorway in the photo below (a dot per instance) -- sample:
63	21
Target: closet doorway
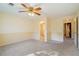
43	35
67	30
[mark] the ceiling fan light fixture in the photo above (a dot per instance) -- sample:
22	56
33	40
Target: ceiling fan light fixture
31	14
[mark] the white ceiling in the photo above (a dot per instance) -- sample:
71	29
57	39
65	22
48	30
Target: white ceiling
54	10
57	10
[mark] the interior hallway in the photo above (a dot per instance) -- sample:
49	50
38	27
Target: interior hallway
24	48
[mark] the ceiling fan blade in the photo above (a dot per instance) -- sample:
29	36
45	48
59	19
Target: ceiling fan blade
37	13
24	5
11	4
22	11
37	8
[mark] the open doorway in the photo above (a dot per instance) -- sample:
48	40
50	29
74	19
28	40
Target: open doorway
67	30
42	31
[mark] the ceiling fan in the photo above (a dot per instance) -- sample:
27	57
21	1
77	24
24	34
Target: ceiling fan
30	9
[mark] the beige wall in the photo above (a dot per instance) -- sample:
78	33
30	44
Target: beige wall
14	23
57	30
49	29
36	29
14	28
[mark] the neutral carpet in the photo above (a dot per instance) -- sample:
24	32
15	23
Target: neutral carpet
34	47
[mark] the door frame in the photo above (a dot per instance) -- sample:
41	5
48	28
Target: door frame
65	29
45	30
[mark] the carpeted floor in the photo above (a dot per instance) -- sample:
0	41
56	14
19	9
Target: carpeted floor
34	47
